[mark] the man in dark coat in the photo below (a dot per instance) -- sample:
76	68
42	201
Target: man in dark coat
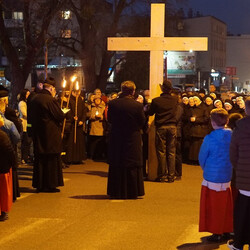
46	116
126	116
239	156
164	107
37	90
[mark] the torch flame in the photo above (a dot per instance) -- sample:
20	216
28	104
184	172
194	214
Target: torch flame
73	78
64	83
77	85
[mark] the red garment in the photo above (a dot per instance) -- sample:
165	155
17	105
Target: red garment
216	211
6	192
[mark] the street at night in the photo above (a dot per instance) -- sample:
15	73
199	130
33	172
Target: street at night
82	217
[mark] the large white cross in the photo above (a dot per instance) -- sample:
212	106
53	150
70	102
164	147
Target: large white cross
156	44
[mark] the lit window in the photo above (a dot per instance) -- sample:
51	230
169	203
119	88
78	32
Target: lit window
17	15
66	33
66	14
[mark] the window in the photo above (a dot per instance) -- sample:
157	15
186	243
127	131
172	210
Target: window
66	33
17	15
66	14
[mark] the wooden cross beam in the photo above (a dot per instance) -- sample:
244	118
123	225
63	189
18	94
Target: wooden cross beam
156	44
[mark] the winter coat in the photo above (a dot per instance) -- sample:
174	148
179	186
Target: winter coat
97	120
214	156
46	117
7	153
199	128
240	153
10	129
22	108
164	108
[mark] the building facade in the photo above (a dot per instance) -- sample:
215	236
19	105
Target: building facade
238	56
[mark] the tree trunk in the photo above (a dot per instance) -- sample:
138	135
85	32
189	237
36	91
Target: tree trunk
88	68
103	75
17	84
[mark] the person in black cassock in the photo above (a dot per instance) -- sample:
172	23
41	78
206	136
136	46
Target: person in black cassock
46	116
76	149
126	116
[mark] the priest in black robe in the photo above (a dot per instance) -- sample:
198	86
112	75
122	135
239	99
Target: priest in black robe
46	117
126	116
76	145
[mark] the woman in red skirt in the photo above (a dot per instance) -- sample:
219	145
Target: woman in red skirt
7	160
216	204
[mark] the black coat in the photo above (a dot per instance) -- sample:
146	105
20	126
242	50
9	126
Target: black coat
7	153
46	116
239	153
186	124
127	118
11	115
199	128
164	108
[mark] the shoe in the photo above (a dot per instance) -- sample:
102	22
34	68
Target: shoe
231	246
4	216
177	178
160	179
228	236
169	180
215	238
54	190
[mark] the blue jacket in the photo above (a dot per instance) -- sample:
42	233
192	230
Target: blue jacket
214	156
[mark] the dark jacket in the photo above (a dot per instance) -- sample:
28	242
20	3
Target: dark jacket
46	116
7	153
239	153
164	108
199	128
186	124
127	118
11	115
179	114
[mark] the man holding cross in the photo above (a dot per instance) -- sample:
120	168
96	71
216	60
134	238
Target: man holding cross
164	108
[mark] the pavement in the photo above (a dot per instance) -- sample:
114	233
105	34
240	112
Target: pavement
82	217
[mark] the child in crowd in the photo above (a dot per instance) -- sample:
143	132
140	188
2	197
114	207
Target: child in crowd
216	204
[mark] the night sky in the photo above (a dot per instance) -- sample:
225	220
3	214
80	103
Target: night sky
235	13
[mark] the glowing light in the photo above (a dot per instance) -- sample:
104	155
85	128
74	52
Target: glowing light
64	84
73	78
77	85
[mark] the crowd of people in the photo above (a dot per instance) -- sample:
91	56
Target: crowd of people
53	130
